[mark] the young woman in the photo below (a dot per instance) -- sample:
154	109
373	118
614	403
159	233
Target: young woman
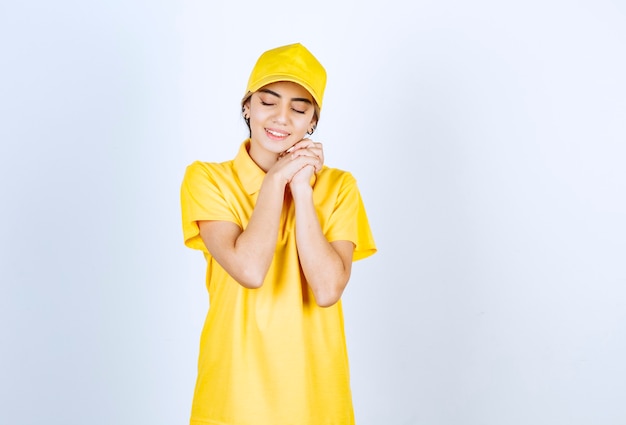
279	231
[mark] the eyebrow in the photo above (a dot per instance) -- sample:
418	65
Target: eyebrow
293	99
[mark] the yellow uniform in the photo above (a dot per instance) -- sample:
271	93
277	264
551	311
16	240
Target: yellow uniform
271	356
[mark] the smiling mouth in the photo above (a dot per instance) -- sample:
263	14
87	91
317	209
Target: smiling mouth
276	134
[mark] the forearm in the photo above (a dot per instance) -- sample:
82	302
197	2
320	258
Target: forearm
254	247
322	265
247	254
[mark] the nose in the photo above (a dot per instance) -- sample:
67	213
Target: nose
282	114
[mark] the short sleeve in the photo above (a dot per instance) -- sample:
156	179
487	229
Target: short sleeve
201	199
349	221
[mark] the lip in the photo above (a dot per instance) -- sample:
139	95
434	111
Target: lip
275	134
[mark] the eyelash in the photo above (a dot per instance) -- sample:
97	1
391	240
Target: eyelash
271	104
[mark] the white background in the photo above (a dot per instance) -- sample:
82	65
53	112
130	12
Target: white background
489	142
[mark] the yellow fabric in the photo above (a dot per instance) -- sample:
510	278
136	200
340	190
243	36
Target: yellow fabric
289	63
271	356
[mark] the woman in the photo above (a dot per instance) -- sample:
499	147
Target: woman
279	231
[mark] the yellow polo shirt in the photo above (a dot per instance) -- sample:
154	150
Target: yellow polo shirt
271	356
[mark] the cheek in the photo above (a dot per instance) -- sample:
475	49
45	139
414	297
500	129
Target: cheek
257	117
303	126
306	120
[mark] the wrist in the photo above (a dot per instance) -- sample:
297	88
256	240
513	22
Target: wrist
301	191
275	180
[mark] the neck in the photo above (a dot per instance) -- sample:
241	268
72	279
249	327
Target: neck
264	159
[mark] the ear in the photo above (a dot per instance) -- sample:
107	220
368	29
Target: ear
245	109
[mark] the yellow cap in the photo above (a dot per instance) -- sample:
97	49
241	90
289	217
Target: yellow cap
289	63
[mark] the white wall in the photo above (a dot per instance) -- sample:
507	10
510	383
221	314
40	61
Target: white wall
489	142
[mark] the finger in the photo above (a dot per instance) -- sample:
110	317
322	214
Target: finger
316	154
305	153
314	161
311	146
302	144
318	150
307	157
316	146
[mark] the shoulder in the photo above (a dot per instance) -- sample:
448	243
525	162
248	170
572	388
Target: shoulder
203	166
336	173
208	170
334	177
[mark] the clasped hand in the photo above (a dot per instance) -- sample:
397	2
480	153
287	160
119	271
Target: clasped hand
298	164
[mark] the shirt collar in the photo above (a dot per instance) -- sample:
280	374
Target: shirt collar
250	174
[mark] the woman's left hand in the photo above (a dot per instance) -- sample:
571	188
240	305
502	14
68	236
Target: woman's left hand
306	175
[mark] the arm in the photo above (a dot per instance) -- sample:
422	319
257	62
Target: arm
246	254
326	265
